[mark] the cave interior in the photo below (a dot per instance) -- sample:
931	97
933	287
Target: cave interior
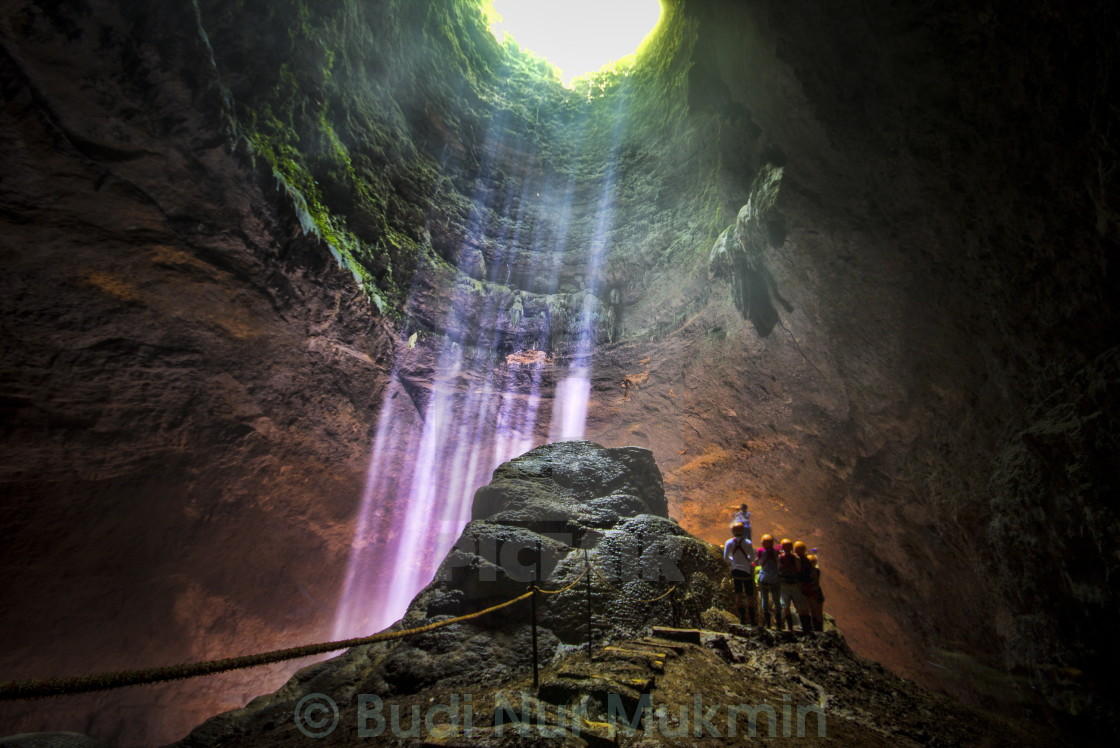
285	281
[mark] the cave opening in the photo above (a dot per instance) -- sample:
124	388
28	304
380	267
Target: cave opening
577	38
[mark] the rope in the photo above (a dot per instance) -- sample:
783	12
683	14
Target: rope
573	584
604	580
655	599
42	687
39	688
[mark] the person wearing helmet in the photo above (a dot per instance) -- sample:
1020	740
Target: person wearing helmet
804	585
789	566
744	516
768	587
815	597
737	551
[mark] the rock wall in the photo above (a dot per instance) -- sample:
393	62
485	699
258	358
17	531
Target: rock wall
183	369
223	221
937	246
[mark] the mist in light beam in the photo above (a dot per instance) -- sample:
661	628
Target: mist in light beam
480	411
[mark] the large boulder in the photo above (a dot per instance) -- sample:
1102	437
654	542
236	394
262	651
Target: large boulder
559	514
589	515
579	480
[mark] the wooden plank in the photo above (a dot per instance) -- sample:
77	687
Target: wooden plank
689	636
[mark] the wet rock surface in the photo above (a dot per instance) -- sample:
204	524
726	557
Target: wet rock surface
603	484
539	502
637	657
208	210
180	363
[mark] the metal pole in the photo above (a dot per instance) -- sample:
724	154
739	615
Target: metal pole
533	608
674	598
540	564
587	567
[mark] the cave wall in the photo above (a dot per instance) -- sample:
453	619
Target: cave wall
183	368
947	220
223	220
213	218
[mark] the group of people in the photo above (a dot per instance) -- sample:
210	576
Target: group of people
785	578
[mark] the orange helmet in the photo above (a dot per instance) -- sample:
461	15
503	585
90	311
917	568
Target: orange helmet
787	544
737	529
768	541
812	558
800	549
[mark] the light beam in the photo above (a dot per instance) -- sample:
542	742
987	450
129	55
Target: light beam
576	36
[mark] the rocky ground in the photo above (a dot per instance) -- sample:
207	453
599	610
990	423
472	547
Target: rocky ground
465	680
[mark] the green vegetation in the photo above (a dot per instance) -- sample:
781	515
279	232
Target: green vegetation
401	127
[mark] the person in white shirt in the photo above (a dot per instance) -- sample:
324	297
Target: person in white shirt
739	553
744	516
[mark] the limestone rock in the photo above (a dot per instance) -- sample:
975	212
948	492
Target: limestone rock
743	252
191	381
576	478
542	502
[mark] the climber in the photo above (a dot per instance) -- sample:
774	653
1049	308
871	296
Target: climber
767	564
789	565
744	516
815	597
804	585
738	552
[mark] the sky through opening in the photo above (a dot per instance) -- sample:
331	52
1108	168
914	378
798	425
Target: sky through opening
577	36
